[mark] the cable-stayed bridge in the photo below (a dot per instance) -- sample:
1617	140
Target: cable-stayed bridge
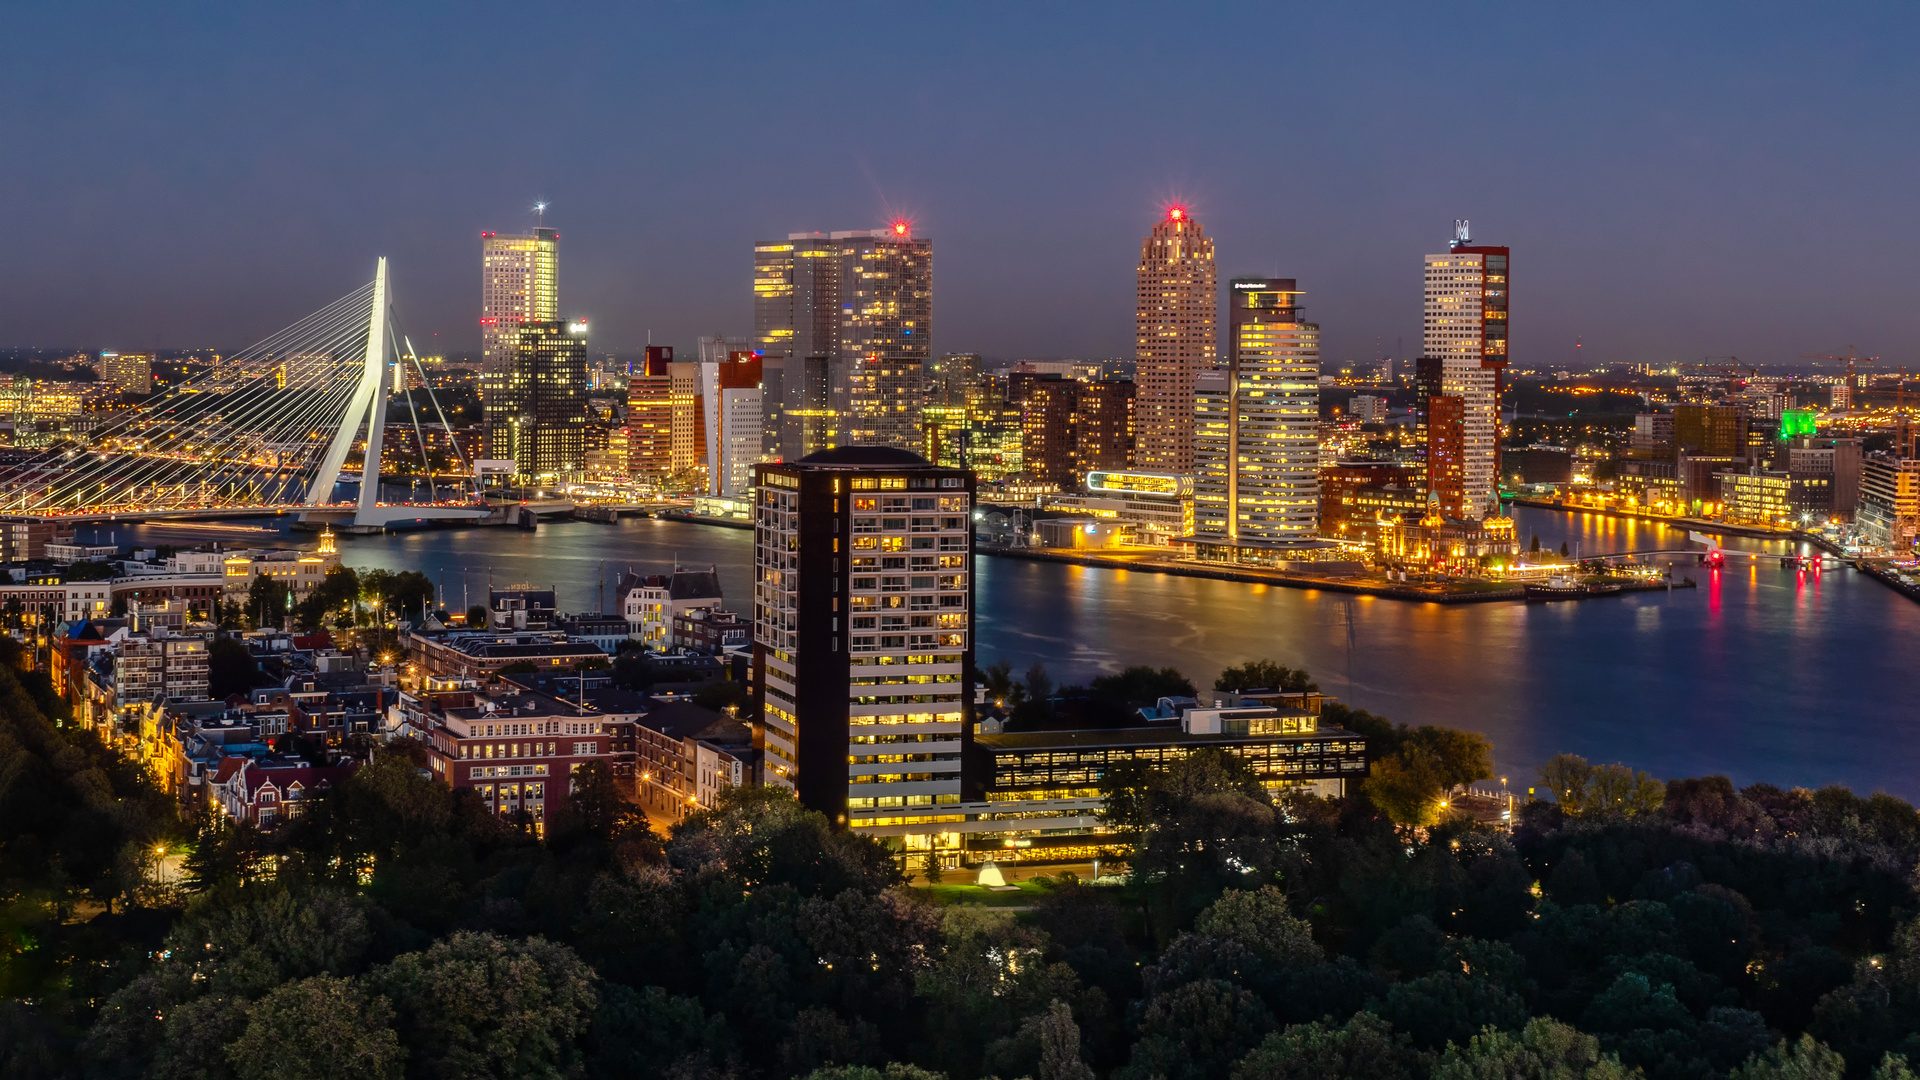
271	428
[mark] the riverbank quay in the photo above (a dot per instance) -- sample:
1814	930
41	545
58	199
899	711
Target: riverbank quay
1452	592
1155	562
1706	525
1885	574
702	519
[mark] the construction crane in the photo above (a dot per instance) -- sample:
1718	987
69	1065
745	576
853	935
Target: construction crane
1853	384
1731	367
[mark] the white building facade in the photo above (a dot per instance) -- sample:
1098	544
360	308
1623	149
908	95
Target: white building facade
1466	328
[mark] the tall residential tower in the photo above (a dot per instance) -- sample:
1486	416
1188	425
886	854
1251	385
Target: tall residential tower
862	634
1174	322
519	283
1466	332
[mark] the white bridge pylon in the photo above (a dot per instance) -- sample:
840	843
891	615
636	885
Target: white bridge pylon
368	404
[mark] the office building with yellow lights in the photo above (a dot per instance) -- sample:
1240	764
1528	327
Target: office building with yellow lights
519	284
1257	432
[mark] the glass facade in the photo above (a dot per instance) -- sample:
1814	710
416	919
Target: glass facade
1257	424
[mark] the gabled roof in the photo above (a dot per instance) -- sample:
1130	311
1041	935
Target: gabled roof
694	585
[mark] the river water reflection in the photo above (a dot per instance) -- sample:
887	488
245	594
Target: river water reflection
1761	673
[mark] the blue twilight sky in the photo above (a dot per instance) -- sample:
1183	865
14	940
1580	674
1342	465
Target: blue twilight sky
1674	180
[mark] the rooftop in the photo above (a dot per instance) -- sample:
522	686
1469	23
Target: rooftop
856	456
1155	735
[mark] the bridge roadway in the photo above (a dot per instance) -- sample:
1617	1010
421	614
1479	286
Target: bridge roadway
343	513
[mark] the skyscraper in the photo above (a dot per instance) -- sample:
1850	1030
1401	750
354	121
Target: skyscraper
796	309
1466	330
536	409
861	304
951	376
1175	321
863	644
1104	438
1257	439
731	397
886	333
650	417
1440	420
519	283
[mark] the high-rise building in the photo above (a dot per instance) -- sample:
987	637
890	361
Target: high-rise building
1889	508
1047	407
1466	330
863	643
519	284
1440	425
731	396
859	304
650	417
127	373
1717	431
1257	437
1069	427
886	333
951	376
689	456
1104	435
1175	321
796	307
536	409
1446	452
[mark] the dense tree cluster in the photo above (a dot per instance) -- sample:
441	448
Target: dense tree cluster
400	930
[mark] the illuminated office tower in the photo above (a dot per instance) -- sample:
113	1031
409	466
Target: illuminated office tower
886	327
650	417
1257	428
1466	331
127	373
796	312
689	456
950	377
844	321
519	283
536	408
1174	322
862	638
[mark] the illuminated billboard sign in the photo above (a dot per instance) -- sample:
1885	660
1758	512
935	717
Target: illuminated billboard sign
1161	485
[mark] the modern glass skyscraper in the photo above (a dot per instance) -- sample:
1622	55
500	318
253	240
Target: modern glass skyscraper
860	305
1174	321
536	408
519	283
1466	331
1257	438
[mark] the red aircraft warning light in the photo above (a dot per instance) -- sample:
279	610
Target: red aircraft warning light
1176	212
901	228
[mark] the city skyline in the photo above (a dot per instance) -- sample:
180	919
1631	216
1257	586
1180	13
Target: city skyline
1612	151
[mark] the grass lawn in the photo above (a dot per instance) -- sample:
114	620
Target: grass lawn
1023	894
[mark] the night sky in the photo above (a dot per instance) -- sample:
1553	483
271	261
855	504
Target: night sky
1674	180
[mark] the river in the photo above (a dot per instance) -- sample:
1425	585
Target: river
1761	673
